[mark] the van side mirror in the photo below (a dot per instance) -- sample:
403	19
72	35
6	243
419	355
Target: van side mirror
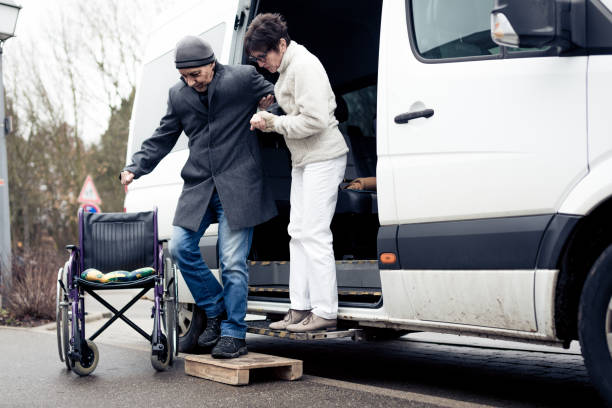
567	24
535	23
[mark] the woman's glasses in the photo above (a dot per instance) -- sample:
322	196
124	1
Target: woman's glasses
258	58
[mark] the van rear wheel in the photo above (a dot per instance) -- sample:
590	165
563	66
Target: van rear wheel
595	324
191	322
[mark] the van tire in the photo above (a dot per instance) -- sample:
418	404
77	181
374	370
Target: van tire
593	315
191	325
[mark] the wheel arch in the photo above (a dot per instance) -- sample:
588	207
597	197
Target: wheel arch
589	238
591	191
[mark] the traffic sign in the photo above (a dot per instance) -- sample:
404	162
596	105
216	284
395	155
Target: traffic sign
92	208
89	194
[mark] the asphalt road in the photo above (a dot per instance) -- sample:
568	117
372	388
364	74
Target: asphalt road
439	367
32	376
419	370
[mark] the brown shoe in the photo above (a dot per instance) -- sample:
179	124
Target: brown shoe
312	322
292	316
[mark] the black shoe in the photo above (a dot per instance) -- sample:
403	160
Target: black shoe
211	333
229	347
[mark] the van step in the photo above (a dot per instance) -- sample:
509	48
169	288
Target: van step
261	327
341	291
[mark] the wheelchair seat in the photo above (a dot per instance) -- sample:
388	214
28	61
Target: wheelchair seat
147	282
120	279
95	275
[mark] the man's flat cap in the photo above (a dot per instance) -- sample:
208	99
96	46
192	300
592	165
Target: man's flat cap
193	51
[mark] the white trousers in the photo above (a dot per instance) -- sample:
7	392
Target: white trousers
312	279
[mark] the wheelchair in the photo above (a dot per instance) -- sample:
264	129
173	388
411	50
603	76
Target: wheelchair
115	251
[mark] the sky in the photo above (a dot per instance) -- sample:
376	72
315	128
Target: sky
30	16
31	33
38	30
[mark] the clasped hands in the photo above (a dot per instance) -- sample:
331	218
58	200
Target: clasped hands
258	121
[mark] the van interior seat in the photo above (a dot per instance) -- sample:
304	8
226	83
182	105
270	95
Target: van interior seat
356	202
357	165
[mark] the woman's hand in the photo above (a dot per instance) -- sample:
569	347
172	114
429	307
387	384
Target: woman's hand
265	102
263	121
258	122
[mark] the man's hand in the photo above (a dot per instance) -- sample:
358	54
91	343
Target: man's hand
265	102
257	122
126	177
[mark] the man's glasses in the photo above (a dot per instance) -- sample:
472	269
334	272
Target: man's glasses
259	58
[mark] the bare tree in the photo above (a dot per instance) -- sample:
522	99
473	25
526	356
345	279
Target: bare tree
82	72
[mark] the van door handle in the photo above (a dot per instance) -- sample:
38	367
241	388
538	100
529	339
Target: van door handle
408	116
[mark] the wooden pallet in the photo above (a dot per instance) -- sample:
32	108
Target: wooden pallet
236	371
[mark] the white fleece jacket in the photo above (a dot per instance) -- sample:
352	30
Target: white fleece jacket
303	91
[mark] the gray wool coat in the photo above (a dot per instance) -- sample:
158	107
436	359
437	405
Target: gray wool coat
223	151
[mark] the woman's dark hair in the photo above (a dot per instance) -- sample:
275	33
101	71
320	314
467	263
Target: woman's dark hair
265	32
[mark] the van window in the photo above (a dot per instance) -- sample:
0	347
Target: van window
452	29
157	78
361	105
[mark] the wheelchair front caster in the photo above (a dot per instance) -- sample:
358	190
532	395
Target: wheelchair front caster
89	361
163	361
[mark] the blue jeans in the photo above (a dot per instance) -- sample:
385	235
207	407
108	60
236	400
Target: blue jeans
209	295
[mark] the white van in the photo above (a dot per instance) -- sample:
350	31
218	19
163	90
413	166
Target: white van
493	212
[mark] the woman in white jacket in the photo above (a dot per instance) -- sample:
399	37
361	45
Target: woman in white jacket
318	157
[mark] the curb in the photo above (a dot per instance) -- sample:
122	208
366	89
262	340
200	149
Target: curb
89	318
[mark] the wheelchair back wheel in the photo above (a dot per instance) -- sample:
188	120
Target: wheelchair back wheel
89	361
65	328
58	317
170	307
170	325
61	320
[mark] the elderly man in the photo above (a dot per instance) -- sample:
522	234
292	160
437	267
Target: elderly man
223	180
